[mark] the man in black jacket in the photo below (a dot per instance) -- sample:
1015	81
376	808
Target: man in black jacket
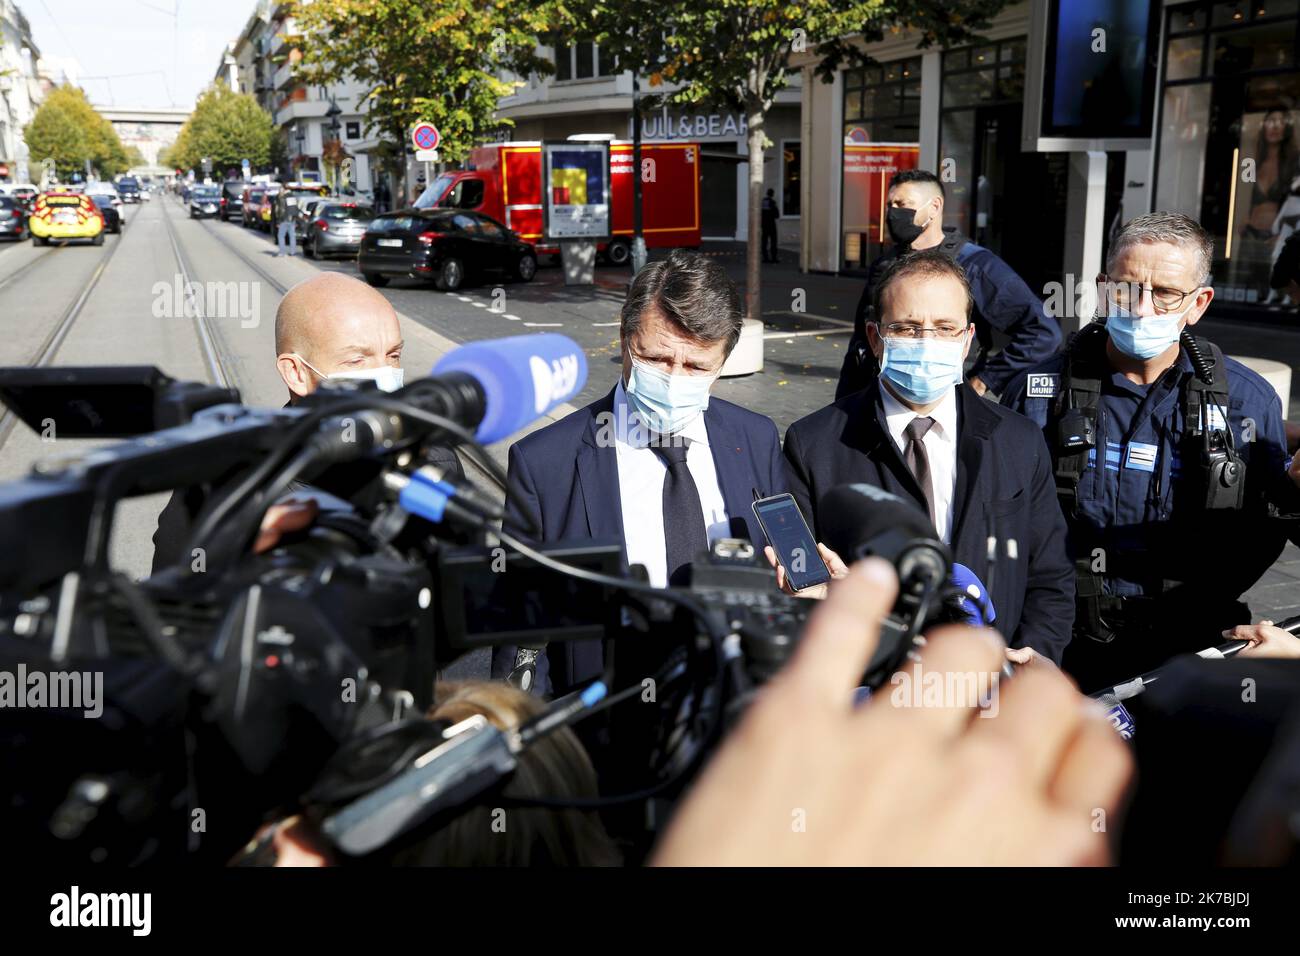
1002	301
328	326
983	474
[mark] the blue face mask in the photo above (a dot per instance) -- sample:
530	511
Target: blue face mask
1143	337
666	403
921	370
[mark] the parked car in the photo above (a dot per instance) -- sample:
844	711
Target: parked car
128	187
25	193
61	214
252	202
13	218
205	202
112	215
232	199
336	228
446	246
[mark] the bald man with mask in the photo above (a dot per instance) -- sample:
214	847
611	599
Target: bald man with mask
330	326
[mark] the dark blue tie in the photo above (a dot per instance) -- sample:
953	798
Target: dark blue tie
684	532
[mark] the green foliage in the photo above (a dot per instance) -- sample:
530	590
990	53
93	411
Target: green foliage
418	60
226	127
67	129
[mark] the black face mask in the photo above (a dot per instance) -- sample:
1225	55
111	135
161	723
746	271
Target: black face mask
902	226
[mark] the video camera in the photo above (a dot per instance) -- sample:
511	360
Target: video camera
239	686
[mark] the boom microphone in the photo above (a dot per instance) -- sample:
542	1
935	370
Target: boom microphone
521	378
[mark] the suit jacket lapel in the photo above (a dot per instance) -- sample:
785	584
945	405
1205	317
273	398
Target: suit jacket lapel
975	424
735	477
597	467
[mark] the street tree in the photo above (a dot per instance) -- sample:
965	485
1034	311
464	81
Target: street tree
227	128
737	54
67	129
418	61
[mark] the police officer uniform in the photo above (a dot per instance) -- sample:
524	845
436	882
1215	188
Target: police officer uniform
1166	490
1003	303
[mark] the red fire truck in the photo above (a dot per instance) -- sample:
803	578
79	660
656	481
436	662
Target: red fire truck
504	181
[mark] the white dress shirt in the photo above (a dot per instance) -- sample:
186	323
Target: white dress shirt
940	446
641	475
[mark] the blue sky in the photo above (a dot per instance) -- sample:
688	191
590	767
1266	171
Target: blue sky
111	39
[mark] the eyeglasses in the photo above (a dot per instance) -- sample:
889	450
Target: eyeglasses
1128	295
906	331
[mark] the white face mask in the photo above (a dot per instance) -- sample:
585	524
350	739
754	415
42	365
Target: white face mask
385	377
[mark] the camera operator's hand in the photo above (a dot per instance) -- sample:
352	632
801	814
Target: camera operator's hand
834	564
806	779
1265	640
284	518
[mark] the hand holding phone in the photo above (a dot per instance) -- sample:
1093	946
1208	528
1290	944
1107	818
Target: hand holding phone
788	534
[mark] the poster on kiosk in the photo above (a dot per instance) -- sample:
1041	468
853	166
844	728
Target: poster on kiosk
575	204
576	197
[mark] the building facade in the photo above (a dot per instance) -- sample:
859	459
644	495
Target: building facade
589	95
263	61
1223	148
20	92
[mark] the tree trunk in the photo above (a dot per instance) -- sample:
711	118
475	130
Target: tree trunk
753	268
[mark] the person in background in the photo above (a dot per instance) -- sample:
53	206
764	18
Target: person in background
1003	303
771	214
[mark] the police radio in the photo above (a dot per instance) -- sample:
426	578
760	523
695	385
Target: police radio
1221	470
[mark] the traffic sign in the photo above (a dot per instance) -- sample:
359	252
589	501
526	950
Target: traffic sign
426	155
425	136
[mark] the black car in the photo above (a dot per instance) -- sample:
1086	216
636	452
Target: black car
205	202
129	189
335	228
112	218
232	200
13	218
442	245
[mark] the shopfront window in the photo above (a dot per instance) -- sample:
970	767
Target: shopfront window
996	194
1228	149
882	124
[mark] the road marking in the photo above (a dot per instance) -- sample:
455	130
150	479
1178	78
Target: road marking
479	305
797	335
543	325
512	318
464	298
601	325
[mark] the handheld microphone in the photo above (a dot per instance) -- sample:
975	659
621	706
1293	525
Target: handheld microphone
871	521
494	387
519	379
1112	698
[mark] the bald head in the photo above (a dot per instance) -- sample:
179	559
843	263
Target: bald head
333	323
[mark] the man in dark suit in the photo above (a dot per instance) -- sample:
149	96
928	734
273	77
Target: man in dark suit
921	432
656	463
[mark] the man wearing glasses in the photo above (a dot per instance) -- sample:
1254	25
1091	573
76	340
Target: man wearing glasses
919	431
1166	456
